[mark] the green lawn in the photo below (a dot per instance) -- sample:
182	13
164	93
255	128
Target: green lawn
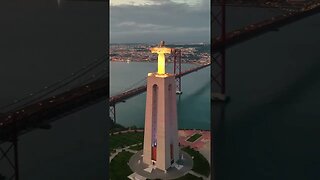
189	177
194	137
119	168
200	163
137	148
124	139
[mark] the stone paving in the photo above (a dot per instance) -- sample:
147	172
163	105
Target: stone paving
199	175
136	164
202	144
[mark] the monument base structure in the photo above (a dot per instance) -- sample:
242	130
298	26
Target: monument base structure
161	132
144	171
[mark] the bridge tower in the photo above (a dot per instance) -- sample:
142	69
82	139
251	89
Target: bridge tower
160	147
177	68
218	65
218	86
9	155
112	113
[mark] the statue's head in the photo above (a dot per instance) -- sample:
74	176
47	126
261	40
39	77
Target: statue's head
161	44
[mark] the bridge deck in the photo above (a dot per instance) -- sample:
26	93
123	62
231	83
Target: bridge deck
133	92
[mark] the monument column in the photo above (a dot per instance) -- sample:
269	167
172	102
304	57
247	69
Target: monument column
161	131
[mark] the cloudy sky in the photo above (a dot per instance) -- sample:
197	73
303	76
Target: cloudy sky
149	21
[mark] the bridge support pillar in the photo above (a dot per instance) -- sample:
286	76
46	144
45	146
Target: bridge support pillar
218	65
218	138
9	158
16	160
112	113
218	86
177	68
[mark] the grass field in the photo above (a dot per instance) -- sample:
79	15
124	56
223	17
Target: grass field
200	163
119	168
194	137
125	139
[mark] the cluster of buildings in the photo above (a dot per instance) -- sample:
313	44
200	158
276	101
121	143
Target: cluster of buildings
199	54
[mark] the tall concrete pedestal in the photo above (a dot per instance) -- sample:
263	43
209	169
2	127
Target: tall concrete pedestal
161	131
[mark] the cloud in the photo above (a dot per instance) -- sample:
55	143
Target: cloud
167	18
140	26
149	2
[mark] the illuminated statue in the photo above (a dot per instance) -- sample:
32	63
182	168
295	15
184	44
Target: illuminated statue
161	50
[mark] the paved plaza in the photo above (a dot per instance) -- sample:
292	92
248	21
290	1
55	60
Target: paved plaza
202	144
182	167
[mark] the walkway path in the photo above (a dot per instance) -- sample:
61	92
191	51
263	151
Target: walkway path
198	175
127	148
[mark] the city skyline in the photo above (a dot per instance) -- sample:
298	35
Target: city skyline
149	21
